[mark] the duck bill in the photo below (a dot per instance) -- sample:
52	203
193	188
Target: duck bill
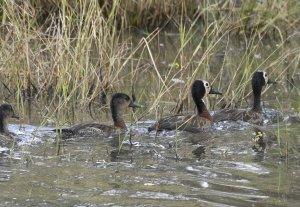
134	105
271	81
214	91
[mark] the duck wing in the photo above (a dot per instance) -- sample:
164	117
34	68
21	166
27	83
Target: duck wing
86	130
190	123
238	114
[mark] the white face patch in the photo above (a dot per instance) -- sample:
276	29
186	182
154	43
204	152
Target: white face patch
265	77
207	87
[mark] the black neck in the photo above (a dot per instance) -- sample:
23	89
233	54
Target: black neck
256	100
199	104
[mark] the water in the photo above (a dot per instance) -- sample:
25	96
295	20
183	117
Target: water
168	171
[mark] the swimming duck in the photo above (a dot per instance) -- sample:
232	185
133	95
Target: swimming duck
6	111
191	122
254	115
119	102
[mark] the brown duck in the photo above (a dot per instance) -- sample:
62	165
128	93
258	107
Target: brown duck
119	102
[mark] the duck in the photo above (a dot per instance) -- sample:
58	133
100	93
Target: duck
6	112
190	122
253	115
119	102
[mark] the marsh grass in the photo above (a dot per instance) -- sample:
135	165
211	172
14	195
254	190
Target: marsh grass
69	53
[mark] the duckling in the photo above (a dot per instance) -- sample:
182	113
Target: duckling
254	115
6	111
119	102
192	122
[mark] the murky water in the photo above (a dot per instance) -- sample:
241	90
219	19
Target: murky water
218	168
223	167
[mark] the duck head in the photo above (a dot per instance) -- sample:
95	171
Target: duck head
259	80
7	111
200	88
119	102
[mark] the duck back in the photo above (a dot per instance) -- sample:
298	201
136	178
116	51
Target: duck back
86	130
238	114
190	123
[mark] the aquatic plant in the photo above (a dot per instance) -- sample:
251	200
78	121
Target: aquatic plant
73	53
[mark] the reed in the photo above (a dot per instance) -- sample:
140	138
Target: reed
69	53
